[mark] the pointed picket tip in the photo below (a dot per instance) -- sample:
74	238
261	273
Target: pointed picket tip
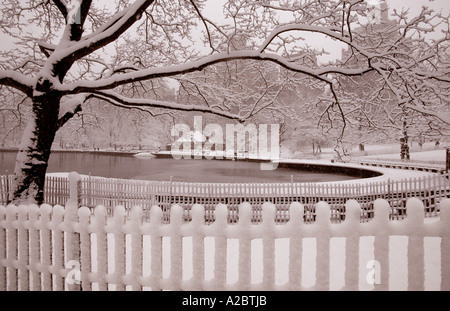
176	214
268	212
11	211
198	214
84	212
322	213
296	212
221	213
156	214
245	213
381	210
22	212
352	212
33	211
415	211
119	212
46	210
58	211
100	211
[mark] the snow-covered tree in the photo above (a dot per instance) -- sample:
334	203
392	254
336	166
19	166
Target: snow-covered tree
69	52
400	103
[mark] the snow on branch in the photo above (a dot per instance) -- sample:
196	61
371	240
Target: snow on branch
126	102
170	71
436	114
16	80
112	30
70	107
46	48
316	29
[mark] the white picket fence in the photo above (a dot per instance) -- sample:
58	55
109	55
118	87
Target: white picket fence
71	248
93	191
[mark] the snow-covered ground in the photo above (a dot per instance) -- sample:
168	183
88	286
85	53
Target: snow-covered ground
429	153
432	156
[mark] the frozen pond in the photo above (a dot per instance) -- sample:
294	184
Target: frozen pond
129	167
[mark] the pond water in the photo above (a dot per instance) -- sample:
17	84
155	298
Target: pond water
129	167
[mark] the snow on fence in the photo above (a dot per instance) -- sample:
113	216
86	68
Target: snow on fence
72	248
406	165
109	192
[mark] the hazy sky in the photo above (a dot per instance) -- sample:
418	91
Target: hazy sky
213	9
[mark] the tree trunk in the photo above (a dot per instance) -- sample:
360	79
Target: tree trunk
404	147
361	147
34	151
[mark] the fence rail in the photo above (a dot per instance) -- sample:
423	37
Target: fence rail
406	165
93	191
72	248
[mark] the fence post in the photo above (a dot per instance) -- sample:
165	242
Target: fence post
245	244
351	225
23	249
322	225
75	188
73	241
156	217
444	229
46	246
11	246
58	247
99	225
176	247
84	219
218	230
294	227
268	226
70	219
416	261
136	247
447	159
380	269
35	249
119	246
198	247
